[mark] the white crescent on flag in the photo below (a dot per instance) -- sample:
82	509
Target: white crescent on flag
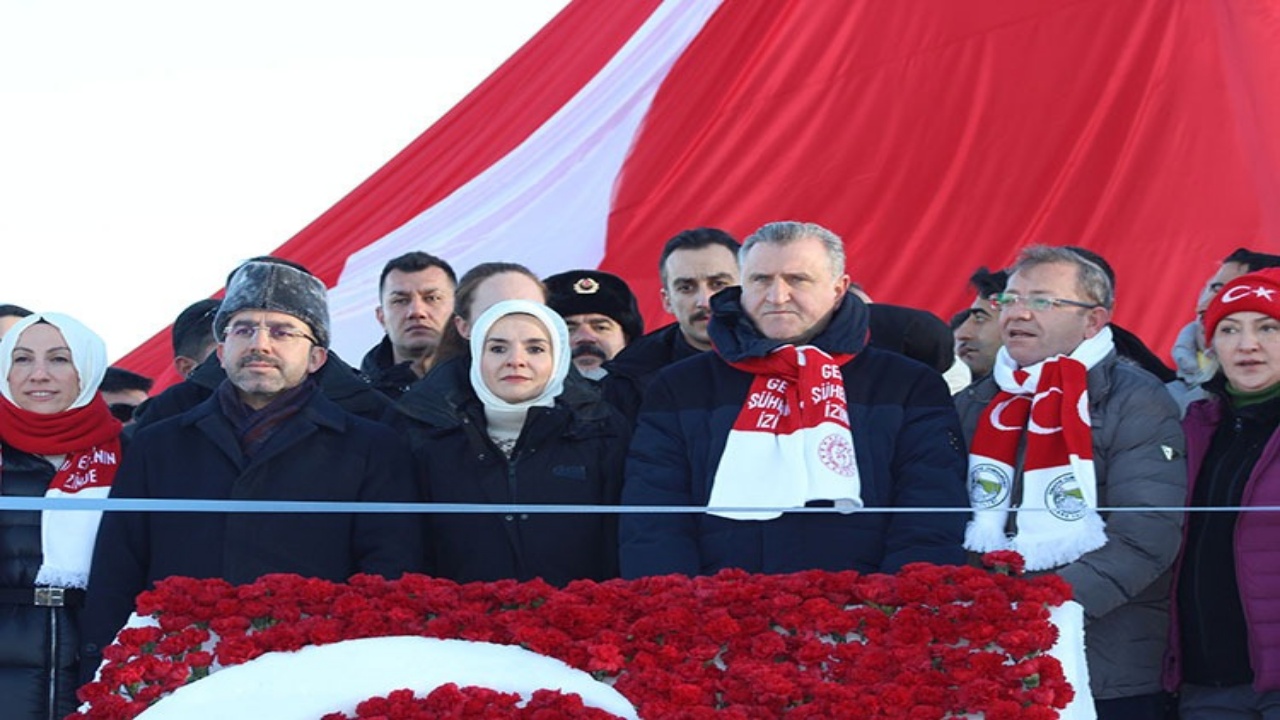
933	136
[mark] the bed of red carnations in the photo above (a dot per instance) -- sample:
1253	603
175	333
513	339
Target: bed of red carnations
928	642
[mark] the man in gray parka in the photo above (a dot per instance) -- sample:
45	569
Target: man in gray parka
1060	432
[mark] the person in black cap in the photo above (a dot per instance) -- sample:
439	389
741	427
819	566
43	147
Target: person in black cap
193	339
10	315
123	391
601	313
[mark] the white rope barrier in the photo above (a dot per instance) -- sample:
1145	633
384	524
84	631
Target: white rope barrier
305	506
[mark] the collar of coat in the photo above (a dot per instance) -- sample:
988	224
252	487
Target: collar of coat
736	338
652	352
318	410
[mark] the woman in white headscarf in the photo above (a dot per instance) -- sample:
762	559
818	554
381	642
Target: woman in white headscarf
517	434
57	440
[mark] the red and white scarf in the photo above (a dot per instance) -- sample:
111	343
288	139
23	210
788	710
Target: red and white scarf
791	442
88	438
1048	404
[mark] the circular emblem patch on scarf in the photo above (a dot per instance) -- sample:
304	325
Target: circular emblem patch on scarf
836	452
1064	498
988	486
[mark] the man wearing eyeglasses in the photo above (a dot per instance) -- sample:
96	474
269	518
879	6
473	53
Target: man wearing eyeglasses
1061	433
338	381
267	433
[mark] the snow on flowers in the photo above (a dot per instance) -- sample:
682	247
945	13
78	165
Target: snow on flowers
929	642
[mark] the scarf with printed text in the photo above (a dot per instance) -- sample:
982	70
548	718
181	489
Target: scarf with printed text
1048	405
88	438
791	442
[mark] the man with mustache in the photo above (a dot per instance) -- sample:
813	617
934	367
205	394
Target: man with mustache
978	329
415	295
196	359
266	433
693	266
601	313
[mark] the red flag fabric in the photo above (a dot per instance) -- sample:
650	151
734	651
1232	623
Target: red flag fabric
932	136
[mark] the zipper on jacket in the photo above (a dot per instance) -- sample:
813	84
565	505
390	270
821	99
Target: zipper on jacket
52	667
1265	460
1204	641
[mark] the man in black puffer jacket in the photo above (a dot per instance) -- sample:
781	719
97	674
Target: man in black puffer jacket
715	430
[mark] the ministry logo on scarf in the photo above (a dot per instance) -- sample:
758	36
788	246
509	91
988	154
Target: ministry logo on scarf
791	442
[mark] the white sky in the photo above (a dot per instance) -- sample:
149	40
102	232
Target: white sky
147	146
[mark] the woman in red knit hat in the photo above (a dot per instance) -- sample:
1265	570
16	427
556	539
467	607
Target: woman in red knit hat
1225	644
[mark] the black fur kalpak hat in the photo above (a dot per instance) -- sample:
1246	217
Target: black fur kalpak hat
278	287
583	292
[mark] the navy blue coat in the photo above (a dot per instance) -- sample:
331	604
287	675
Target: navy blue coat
905	431
631	371
384	374
321	453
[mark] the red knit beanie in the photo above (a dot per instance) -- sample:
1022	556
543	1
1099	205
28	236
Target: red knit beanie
1257	292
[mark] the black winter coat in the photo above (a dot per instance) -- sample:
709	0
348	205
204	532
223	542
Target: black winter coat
384	374
631	371
39	646
321	453
569	454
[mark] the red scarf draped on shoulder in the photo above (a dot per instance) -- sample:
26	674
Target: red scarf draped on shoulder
89	438
75	433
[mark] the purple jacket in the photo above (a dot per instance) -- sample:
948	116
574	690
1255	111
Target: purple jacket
1257	542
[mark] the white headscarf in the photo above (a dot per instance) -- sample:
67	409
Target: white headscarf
556	330
88	353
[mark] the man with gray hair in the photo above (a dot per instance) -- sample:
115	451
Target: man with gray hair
267	433
793	410
1059	434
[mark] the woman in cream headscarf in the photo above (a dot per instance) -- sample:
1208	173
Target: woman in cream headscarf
59	440
517	434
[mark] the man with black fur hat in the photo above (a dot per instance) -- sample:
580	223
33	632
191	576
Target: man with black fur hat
601	313
338	381
266	433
